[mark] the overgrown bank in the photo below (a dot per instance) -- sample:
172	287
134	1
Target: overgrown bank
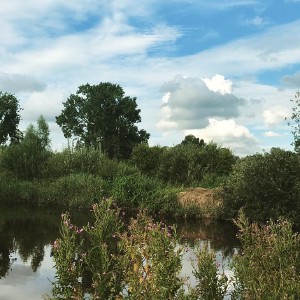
264	185
80	177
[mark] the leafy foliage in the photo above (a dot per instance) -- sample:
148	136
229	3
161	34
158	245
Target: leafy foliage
27	158
267	266
191	139
265	185
296	121
102	116
147	159
9	118
189	164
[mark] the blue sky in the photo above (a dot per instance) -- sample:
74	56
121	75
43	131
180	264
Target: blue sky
221	70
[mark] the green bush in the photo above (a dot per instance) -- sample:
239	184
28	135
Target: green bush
14	190
139	191
147	159
268	265
265	185
88	161
190	164
73	190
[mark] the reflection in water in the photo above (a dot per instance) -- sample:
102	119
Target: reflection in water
220	235
26	231
26	268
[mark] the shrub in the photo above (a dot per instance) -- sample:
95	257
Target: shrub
73	190
265	185
189	164
147	159
268	265
139	191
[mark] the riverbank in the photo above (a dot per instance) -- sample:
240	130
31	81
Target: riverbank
131	191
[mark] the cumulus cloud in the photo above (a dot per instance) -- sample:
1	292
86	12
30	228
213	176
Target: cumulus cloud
219	84
20	83
190	102
229	134
275	115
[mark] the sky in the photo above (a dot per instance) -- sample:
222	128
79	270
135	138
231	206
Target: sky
223	70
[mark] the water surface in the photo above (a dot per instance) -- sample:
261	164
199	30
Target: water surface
26	236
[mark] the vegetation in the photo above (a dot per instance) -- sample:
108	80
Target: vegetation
9	118
268	266
295	122
134	174
102	116
111	260
265	186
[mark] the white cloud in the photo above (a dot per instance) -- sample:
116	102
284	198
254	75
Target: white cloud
275	115
47	103
219	84
189	103
271	134
229	134
38	40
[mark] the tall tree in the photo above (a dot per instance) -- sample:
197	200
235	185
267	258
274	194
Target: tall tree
9	118
101	115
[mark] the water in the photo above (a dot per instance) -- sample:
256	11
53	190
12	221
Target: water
26	235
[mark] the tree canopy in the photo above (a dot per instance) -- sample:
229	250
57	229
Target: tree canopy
192	140
102	116
9	118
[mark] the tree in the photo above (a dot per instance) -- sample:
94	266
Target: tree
43	133
296	120
27	158
191	139
9	118
102	116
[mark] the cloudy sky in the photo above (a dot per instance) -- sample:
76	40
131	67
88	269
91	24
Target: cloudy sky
220	70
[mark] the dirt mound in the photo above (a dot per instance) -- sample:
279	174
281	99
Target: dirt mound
200	197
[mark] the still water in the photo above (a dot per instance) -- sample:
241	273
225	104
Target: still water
26	235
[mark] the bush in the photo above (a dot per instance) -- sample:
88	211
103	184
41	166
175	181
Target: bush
190	164
73	190
147	159
265	185
139	191
16	190
268	266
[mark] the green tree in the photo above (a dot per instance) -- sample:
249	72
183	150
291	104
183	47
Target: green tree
9	118
296	121
191	139
43	133
27	158
102	116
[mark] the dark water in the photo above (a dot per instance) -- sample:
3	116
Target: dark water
26	235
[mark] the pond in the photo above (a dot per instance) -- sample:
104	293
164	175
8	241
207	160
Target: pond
26	235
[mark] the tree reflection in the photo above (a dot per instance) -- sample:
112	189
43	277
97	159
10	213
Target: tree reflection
26	231
222	235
